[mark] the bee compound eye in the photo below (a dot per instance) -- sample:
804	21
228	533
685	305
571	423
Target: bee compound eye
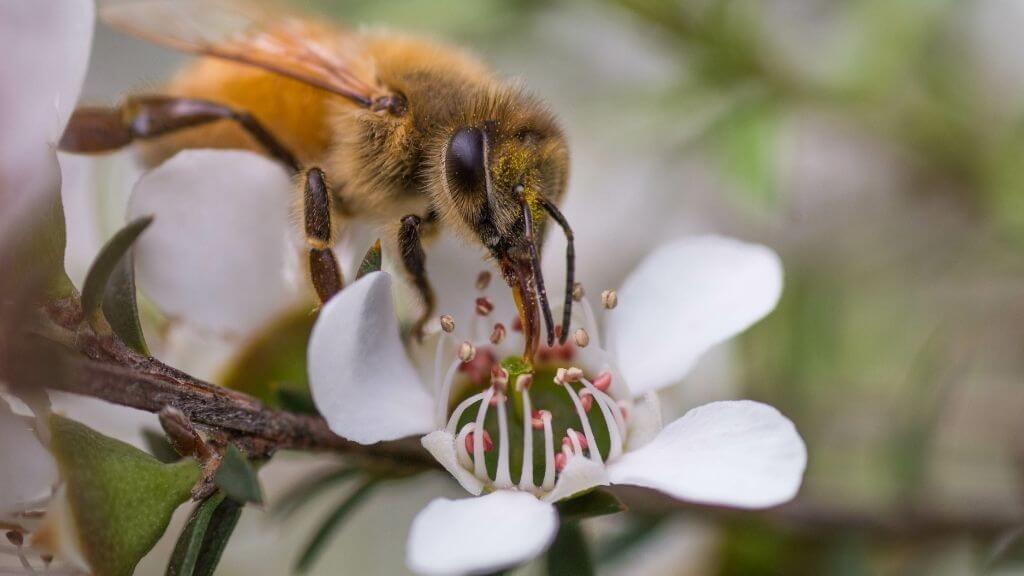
465	162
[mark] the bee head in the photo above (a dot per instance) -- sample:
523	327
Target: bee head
504	178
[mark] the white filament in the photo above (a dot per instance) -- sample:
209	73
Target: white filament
614	431
462	407
479	465
503	476
595	453
549	454
526	476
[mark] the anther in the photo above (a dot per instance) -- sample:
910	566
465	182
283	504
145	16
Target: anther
524	382
499	377
609	299
497	398
603	381
537	419
581	337
577	292
587	400
498	334
483	280
15	537
571	374
484	306
467	352
488	444
580	439
447	323
560	461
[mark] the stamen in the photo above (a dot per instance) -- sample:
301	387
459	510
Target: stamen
483	280
438	353
609	299
526	474
468	443
462	407
479	466
441	408
572	438
499	377
612	417
581	337
567	375
587	399
560	461
537	418
462	447
503	477
588	316
484	306
447	323
549	453
603	381
524	382
595	454
498	334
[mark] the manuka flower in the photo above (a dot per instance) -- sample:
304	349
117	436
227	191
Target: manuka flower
522	436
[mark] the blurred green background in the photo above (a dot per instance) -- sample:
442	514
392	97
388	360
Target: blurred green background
878	146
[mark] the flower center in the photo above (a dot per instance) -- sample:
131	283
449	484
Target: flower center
520	425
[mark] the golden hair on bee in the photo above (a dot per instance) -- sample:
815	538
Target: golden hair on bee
376	125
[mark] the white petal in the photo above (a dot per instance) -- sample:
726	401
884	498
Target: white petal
360	377
441	446
29	471
45	47
480	535
683	299
645	420
743	454
218	253
580	473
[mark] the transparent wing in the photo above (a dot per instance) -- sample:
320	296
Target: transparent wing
318	54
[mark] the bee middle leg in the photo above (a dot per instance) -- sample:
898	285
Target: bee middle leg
410	244
323	265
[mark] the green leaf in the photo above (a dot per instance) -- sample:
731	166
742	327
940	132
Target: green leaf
331	524
237	478
589	505
204	537
747	146
569	555
371	261
120	499
106	298
304	492
159	446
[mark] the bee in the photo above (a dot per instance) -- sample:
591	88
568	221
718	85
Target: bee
376	126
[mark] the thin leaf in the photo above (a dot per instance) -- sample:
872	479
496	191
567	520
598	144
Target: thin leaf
94	290
121	307
331	524
569	555
304	492
371	261
222	525
589	505
190	541
237	478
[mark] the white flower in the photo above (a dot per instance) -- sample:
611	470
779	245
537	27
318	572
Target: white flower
588	417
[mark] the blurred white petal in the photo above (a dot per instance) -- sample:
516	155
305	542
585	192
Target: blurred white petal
29	471
360	377
742	454
580	474
683	299
221	253
441	446
482	534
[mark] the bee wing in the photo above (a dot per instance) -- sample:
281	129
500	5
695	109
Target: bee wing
315	53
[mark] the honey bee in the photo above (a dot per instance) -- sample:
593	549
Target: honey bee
378	126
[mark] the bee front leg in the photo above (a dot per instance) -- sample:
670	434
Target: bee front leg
97	129
410	245
323	265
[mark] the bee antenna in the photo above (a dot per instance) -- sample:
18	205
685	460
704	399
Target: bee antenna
570	264
538	276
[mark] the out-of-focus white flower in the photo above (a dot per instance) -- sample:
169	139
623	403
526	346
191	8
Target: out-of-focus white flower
580	417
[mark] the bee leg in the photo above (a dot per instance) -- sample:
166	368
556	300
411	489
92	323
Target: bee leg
410	245
97	129
323	265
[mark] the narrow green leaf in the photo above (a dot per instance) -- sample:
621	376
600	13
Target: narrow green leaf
296	400
190	541
121	307
98	281
159	447
237	478
331	524
304	492
222	525
371	261
569	555
588	505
